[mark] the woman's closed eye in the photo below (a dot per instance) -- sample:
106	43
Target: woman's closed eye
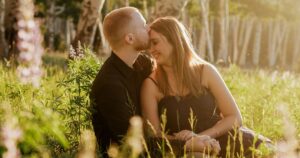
154	42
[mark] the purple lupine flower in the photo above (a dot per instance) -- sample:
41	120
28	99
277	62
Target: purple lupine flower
10	135
29	44
76	54
72	52
79	51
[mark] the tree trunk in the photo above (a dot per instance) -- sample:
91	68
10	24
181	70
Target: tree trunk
168	8
211	28
89	23
100	44
50	23
296	49
235	32
242	29
10	20
145	9
257	44
272	41
247	36
126	3
202	44
204	8
281	31
285	48
68	33
223	50
186	20
3	45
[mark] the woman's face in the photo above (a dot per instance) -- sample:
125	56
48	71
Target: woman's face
160	48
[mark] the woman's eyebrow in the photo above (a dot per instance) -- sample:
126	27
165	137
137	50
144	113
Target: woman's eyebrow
153	39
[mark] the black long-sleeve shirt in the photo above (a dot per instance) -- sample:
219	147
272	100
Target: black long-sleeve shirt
115	98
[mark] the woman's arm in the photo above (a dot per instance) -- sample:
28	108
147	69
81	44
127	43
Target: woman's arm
150	96
149	99
225	101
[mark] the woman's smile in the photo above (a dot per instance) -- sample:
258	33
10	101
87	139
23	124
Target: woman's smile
156	54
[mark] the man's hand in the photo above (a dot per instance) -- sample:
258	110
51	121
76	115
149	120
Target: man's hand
203	143
184	135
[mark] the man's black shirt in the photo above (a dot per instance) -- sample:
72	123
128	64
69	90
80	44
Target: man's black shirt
115	97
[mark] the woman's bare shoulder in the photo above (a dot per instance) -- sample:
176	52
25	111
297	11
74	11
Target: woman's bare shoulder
150	85
208	71
150	82
209	68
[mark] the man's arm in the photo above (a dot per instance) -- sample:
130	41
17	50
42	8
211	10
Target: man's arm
112	105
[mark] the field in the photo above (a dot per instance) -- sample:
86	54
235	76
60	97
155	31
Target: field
49	119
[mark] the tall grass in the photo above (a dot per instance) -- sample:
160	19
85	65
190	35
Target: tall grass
52	117
259	93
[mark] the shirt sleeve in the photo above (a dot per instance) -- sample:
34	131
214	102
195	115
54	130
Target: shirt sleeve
113	105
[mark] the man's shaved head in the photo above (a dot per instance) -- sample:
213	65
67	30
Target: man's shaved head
116	24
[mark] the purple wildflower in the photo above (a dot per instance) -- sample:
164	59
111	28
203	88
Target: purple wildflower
76	54
10	135
29	44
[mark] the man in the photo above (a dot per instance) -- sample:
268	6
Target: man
116	89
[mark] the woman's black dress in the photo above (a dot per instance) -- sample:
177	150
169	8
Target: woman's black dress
178	110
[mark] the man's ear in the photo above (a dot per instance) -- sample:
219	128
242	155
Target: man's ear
129	38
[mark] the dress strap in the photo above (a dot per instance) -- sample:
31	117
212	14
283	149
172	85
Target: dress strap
153	80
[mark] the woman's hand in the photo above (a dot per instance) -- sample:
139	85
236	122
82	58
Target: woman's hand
184	135
203	143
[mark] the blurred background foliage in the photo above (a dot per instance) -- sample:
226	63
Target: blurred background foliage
287	9
52	117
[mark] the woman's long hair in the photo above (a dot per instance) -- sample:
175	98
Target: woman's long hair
187	65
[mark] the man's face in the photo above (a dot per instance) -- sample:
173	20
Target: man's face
140	32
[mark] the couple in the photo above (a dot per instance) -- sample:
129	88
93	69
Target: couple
179	83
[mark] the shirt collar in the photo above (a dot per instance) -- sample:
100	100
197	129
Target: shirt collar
122	66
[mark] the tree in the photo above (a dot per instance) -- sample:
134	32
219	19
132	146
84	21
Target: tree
89	23
10	9
3	46
204	8
168	8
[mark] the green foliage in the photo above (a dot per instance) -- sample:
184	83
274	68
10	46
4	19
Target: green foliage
38	122
76	85
71	8
40	125
194	8
53	116
258	94
287	9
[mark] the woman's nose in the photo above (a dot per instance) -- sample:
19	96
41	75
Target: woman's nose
151	48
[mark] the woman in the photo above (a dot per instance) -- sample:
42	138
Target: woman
184	85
